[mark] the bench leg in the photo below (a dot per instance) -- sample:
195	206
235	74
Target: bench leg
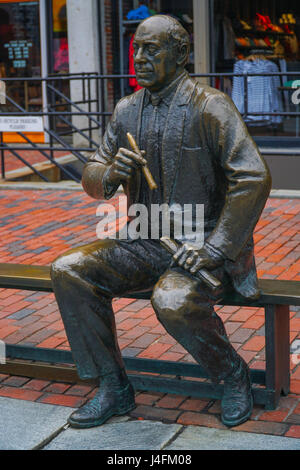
277	323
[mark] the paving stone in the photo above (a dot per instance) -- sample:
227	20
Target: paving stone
24	425
193	438
241	335
147	398
153	413
294	431
63	400
57	387
131	435
21	314
194	404
170	401
200	419
15	381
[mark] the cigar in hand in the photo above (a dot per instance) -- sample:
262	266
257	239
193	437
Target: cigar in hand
151	183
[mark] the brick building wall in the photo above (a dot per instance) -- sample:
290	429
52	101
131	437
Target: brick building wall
111	32
109	53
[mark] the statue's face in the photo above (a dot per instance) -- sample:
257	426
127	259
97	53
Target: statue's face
154	60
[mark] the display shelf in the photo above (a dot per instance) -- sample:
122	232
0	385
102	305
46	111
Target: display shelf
259	33
126	22
262	48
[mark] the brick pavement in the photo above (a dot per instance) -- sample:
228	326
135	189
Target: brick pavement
31	156
36	226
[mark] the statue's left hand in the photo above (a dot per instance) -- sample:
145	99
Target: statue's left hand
193	260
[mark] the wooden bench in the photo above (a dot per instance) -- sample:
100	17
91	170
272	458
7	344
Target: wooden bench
166	376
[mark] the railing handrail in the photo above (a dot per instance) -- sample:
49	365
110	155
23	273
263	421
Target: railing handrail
94	75
95	111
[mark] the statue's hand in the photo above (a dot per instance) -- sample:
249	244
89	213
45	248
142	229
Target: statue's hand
193	260
124	166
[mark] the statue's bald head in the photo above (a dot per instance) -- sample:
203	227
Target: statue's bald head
175	34
161	50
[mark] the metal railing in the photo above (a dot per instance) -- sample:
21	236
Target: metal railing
76	111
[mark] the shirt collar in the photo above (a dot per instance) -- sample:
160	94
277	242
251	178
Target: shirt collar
165	95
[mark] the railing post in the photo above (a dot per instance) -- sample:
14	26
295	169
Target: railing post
2	157
277	352
245	78
89	109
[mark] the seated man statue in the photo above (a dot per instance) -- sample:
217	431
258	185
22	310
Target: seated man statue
199	151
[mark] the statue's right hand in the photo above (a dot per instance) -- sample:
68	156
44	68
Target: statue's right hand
124	166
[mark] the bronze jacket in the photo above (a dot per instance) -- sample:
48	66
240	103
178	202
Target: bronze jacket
208	157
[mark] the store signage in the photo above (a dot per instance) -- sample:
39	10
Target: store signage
21	124
18	52
2	92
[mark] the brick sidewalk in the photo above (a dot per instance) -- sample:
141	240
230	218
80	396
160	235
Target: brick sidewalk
37	226
31	156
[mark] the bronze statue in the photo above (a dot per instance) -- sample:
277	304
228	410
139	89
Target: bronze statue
198	151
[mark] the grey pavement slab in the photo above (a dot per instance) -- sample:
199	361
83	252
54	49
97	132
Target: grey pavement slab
201	438
24	424
130	435
28	425
285	193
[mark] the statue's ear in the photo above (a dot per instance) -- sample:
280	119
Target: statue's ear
183	52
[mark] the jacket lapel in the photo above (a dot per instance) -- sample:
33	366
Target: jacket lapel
172	138
140	105
135	129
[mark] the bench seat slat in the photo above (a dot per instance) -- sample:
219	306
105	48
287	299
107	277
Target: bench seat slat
25	276
28	277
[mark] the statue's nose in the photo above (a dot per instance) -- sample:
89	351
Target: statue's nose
139	56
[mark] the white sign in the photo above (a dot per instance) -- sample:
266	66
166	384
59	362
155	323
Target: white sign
21	124
2	352
2	92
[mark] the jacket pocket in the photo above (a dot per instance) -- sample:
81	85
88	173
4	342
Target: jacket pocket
191	149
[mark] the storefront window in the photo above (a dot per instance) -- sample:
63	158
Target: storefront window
60	37
20	49
259	38
58	61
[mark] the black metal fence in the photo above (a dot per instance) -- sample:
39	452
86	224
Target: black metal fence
75	109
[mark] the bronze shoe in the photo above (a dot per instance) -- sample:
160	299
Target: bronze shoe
106	403
237	401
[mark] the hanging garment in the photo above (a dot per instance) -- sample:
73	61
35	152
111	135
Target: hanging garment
132	81
139	13
61	55
229	39
263	91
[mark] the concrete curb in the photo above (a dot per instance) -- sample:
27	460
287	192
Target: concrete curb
72	186
285	193
61	186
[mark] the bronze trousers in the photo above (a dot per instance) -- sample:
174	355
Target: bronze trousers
86	279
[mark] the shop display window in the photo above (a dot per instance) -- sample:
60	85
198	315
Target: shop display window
20	54
260	38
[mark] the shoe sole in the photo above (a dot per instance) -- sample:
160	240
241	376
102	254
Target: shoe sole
230	424
102	420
